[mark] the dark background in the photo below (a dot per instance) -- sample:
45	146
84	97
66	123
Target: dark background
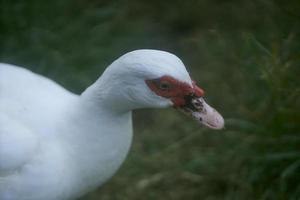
245	54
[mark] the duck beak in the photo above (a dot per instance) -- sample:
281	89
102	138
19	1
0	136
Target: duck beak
199	110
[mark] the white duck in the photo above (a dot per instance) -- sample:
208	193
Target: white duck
56	145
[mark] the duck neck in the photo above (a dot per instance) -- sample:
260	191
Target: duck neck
112	94
100	140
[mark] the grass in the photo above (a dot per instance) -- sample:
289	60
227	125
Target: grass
245	54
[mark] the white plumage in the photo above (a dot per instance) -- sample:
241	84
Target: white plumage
56	145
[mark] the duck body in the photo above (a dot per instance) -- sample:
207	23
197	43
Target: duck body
45	144
56	145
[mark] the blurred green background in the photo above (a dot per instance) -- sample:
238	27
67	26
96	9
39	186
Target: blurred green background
245	54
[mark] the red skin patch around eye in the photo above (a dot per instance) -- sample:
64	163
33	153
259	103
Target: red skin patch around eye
198	91
176	90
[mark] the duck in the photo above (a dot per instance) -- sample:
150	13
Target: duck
57	145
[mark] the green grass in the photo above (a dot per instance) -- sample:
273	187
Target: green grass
245	54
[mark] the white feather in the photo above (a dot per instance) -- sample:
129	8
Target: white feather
56	145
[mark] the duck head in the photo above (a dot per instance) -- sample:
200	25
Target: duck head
153	78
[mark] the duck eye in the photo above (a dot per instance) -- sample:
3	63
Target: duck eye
164	86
